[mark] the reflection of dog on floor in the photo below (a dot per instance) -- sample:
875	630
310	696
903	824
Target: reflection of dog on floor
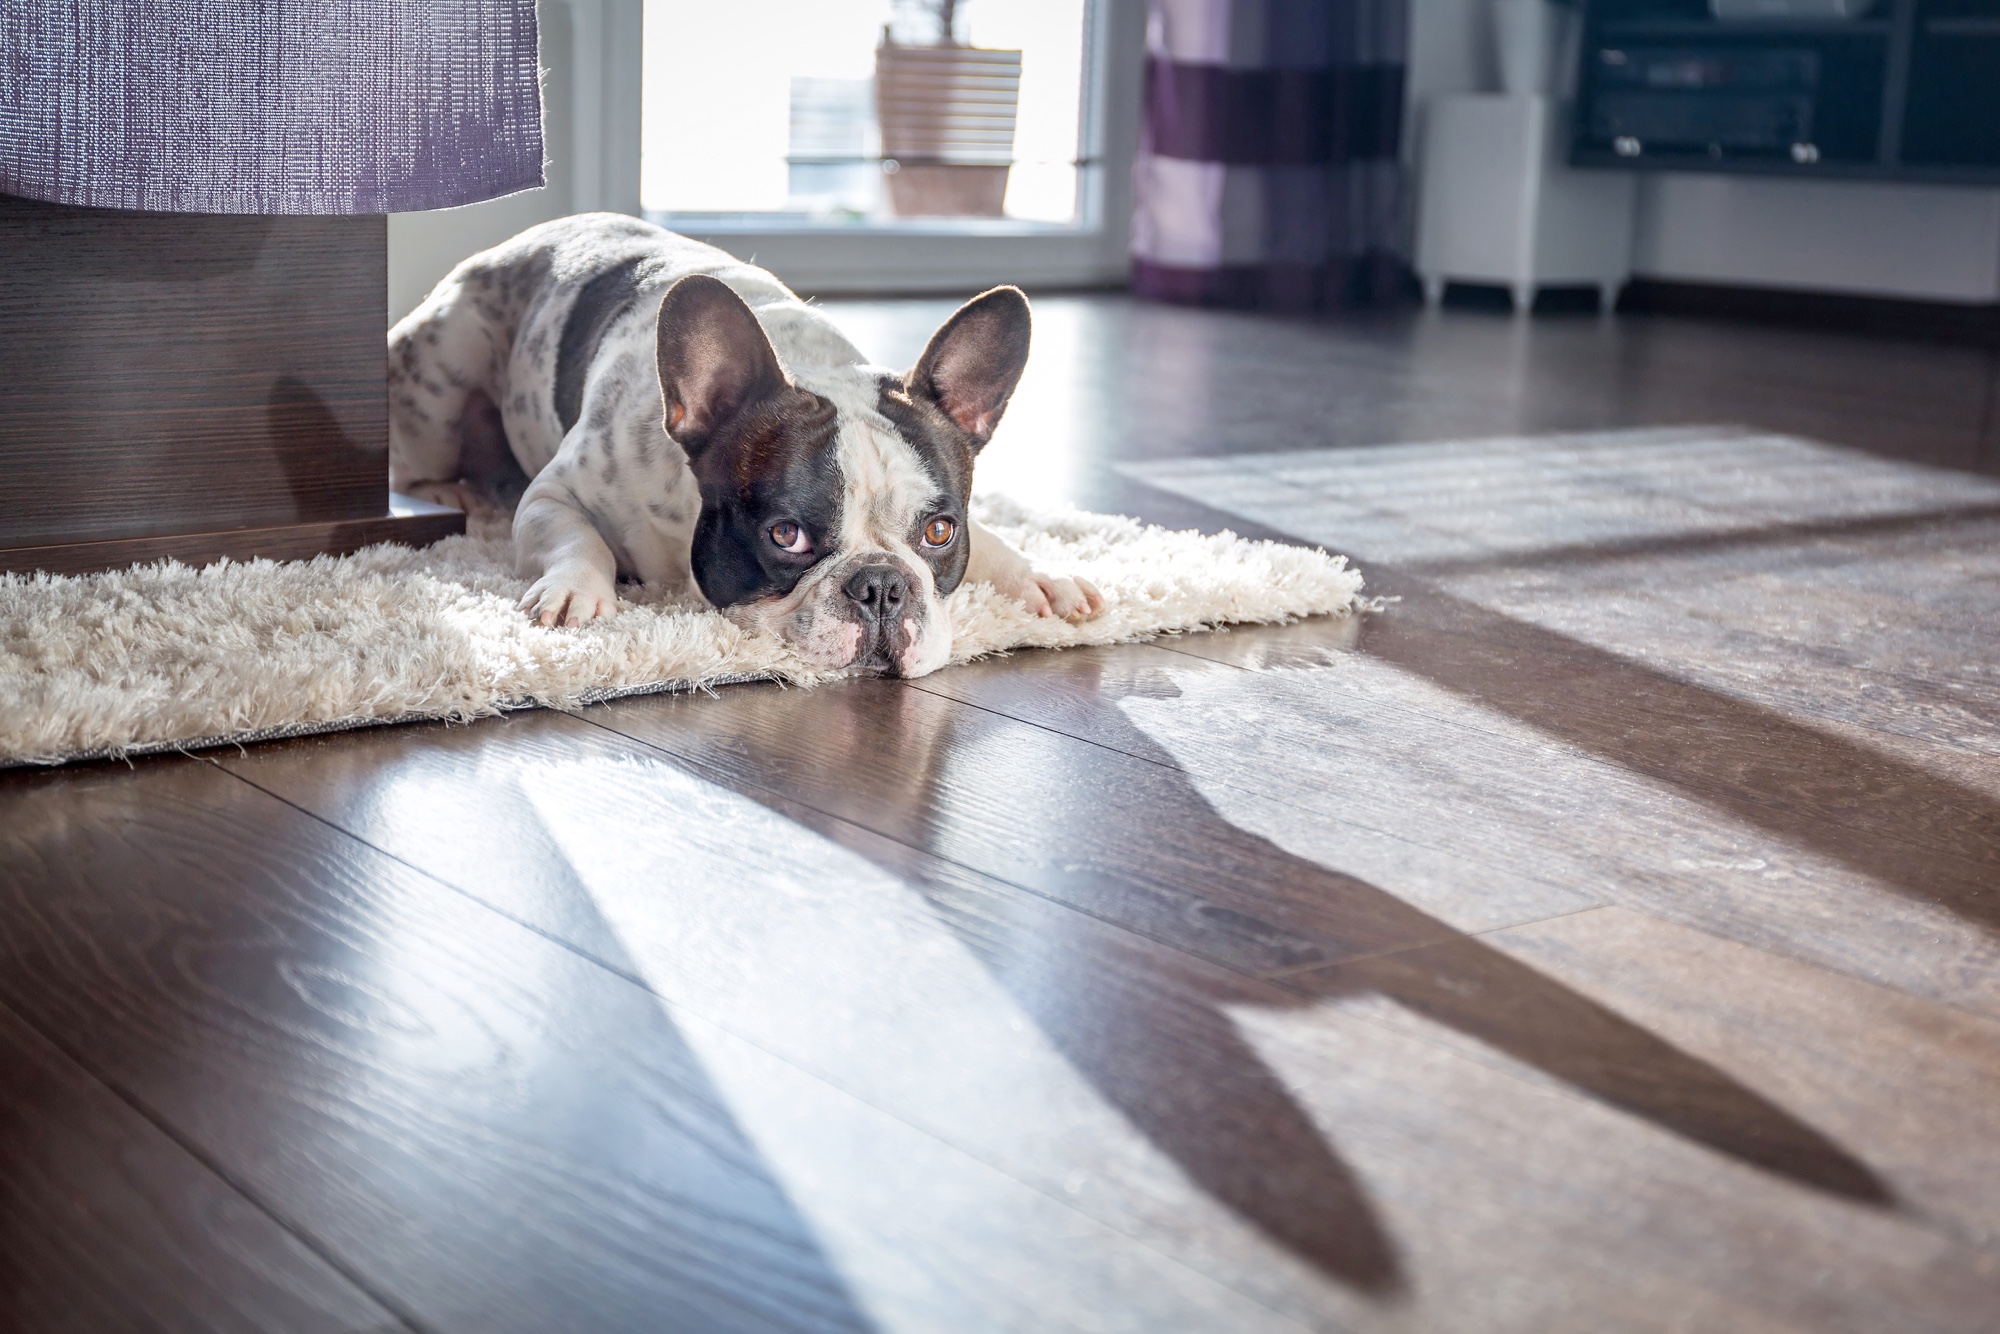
684	420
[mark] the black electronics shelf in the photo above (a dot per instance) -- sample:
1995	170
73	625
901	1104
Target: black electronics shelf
1909	90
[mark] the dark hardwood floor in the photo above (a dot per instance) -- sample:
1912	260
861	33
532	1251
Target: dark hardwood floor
1601	936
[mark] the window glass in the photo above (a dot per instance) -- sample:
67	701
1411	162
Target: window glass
846	112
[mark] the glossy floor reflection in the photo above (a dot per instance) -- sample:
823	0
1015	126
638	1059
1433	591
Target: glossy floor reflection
1602	936
477	1127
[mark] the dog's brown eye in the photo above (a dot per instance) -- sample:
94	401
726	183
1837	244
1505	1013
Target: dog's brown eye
790	537
939	532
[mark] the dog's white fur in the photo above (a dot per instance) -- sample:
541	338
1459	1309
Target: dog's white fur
615	494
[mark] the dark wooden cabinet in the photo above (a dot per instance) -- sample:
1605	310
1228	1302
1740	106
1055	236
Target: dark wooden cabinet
1953	117
1909	89
192	385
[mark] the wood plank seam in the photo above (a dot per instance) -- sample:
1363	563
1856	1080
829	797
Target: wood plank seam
697	765
1276	797
472	897
1279	977
239	1188
1612	550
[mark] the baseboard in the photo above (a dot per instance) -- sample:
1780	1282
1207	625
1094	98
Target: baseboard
292	541
1890	317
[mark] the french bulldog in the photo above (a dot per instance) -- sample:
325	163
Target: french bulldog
682	419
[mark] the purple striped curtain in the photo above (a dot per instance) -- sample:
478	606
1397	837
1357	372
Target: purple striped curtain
268	106
1268	173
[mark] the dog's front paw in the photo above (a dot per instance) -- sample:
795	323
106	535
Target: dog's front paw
1063	596
570	597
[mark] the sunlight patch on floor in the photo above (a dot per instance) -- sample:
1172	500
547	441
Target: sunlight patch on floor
1765	568
1478	819
796	952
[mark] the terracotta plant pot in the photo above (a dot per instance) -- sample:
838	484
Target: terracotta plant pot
947	117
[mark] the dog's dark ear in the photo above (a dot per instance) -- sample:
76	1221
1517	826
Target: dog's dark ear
714	359
974	361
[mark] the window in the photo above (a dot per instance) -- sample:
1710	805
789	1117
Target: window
850	112
912	144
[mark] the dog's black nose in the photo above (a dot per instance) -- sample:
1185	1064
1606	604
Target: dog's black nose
878	592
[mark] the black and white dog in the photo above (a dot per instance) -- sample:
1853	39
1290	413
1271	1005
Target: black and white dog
688	422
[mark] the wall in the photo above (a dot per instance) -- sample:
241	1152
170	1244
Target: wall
1933	242
1451	51
1939	243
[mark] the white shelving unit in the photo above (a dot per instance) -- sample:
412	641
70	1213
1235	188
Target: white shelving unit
1498	204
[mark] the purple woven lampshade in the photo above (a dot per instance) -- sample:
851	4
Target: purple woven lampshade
268	106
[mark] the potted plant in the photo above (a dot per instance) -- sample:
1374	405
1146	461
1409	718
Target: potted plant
946	111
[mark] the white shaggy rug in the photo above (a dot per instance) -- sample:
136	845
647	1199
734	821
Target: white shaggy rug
164	657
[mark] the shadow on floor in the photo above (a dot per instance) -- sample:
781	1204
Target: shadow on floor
1929	838
1153	1035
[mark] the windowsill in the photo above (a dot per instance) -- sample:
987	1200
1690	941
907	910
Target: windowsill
796	224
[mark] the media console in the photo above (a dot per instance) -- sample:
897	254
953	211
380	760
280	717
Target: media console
1905	90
